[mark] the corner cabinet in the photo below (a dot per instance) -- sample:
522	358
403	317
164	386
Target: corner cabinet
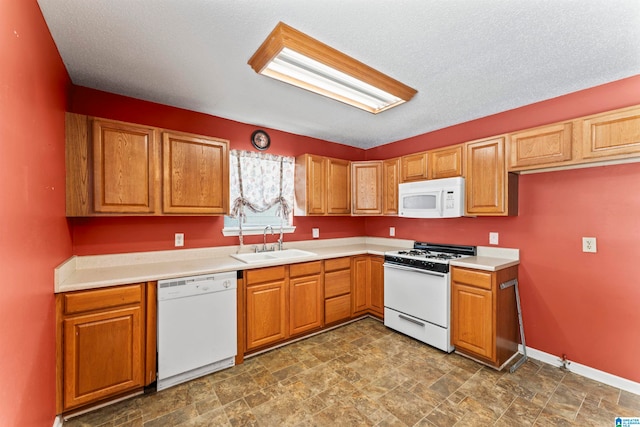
368	285
106	344
484	322
119	168
390	181
490	190
322	186
366	179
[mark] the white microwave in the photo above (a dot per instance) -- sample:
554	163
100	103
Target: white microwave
434	198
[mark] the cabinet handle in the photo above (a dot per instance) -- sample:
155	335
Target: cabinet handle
408	319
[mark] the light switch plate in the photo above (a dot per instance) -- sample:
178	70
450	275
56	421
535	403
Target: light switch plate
589	244
493	238
179	239
392	231
315	233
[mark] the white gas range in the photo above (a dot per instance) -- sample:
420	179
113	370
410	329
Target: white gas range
417	291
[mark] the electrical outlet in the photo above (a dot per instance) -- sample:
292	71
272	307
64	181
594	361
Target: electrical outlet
589	244
392	231
179	240
315	233
493	238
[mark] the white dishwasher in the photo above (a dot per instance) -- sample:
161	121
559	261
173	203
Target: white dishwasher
196	327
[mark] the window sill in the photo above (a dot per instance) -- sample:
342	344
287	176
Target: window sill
254	231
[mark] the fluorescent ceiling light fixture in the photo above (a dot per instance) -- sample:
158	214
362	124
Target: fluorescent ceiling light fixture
295	58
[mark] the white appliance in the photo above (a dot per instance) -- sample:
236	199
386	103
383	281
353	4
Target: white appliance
197	331
417	291
434	198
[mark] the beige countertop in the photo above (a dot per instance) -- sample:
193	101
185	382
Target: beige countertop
96	271
490	259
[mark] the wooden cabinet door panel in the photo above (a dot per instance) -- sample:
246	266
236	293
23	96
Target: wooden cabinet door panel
195	175
266	314
485	183
390	181
124	167
611	134
102	355
445	162
377	285
472	320
360	279
367	188
414	167
316	185
305	304
338	189
540	146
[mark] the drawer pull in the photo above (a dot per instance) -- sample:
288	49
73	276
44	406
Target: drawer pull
409	319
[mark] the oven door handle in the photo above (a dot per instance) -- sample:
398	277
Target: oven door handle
416	270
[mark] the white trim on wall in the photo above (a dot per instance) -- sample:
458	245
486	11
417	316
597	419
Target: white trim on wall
585	371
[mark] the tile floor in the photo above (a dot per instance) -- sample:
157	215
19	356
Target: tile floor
364	374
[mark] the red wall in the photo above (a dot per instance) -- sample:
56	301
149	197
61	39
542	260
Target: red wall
113	235
34	235
583	305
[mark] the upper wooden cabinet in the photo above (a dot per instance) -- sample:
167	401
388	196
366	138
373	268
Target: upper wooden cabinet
195	174
446	162
610	134
414	167
124	167
115	168
490	190
322	186
366	179
390	181
540	147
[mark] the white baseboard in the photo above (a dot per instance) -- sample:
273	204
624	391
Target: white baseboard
57	422
585	371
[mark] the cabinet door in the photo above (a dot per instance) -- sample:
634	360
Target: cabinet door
445	162
472	320
414	167
611	134
377	285
306	304
266	308
316	185
195	175
124	167
541	146
338	190
367	188
390	181
489	190
360	279
103	355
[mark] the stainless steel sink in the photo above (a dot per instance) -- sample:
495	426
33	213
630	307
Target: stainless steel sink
285	254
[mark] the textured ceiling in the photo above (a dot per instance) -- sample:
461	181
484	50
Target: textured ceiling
466	58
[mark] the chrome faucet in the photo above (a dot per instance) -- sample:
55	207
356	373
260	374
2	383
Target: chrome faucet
264	237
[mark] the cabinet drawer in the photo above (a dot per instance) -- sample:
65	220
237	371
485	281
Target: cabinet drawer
338	308
337	264
337	283
479	279
100	299
262	275
305	268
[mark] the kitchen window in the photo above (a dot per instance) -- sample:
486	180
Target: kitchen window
261	193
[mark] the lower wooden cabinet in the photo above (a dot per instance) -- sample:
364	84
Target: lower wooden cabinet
306	302
484	322
337	290
367	285
266	307
103	345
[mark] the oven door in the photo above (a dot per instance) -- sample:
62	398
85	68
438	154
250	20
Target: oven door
418	293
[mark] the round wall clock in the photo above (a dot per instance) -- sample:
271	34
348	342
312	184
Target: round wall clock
260	139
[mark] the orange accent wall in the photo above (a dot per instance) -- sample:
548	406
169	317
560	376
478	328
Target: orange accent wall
583	305
34	235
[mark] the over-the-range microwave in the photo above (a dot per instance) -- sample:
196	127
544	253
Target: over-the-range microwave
434	198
